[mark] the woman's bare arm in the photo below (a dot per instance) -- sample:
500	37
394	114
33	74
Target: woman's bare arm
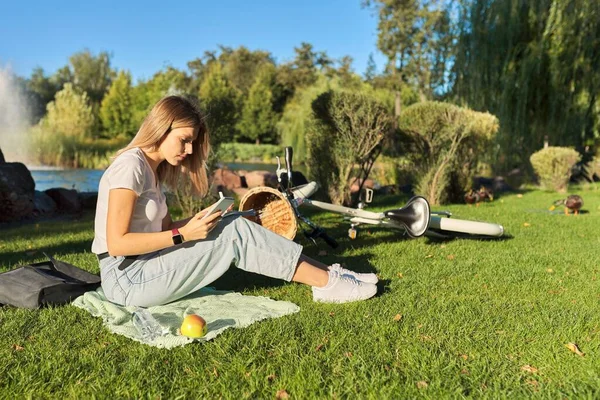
121	242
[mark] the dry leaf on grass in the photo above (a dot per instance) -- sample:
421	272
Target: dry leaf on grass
400	275
397	317
282	394
574	348
450	257
271	377
464	356
429	256
529	368
422	384
16	347
533	383
526	224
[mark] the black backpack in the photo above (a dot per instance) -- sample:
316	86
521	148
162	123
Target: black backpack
44	283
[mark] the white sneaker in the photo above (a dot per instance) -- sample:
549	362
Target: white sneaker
367	278
343	289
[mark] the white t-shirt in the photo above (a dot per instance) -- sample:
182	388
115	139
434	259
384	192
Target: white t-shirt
130	170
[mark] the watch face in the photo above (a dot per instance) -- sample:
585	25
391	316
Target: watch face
177	239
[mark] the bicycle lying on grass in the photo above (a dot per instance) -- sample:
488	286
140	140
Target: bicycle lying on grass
415	218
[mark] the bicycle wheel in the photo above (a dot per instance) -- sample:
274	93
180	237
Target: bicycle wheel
460	228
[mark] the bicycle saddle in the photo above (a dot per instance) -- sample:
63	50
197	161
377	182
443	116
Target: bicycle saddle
414	216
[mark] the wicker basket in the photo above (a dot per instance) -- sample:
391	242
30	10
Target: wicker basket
273	211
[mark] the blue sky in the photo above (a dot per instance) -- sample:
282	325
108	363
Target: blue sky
145	36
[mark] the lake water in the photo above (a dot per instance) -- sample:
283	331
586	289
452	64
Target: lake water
87	180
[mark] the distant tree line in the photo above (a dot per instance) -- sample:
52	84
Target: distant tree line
533	64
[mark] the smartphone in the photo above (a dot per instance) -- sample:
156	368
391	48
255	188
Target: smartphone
221	205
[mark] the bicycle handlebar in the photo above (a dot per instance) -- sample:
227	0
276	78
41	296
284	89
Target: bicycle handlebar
289	153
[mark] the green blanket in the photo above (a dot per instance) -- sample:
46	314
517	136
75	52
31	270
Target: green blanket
220	309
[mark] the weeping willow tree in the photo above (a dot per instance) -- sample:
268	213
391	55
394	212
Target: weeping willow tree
536	65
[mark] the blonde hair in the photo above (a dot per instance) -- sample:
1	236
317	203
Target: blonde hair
170	113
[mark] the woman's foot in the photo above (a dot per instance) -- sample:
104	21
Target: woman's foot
367	278
343	288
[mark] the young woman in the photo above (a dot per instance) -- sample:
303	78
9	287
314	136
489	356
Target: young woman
147	259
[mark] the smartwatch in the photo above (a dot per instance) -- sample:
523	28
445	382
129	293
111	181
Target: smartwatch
177	237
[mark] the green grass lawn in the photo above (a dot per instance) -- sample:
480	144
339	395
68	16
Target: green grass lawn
452	319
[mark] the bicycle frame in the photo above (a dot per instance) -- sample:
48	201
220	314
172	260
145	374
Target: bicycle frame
439	224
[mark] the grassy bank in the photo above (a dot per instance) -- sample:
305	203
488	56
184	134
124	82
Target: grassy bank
452	319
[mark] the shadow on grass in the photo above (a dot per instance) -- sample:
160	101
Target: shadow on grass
238	280
50	227
28	255
435	240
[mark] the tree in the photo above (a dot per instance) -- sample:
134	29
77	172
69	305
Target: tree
371	70
163	83
41	91
221	103
91	74
70	114
415	37
258	119
536	66
241	66
116	111
347	77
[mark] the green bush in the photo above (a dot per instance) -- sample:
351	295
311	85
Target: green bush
249	152
593	168
60	150
70	114
392	171
553	167
445	144
343	137
297	115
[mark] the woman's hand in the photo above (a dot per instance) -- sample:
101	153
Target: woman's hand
198	228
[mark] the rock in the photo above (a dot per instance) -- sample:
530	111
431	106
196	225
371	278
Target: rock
497	184
43	204
67	200
240	192
260	178
355	184
16	192
225	179
500	185
88	200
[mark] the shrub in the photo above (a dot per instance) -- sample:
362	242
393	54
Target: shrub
249	152
445	144
57	149
343	136
592	169
69	114
553	166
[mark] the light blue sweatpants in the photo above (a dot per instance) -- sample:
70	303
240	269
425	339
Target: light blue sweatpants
170	274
